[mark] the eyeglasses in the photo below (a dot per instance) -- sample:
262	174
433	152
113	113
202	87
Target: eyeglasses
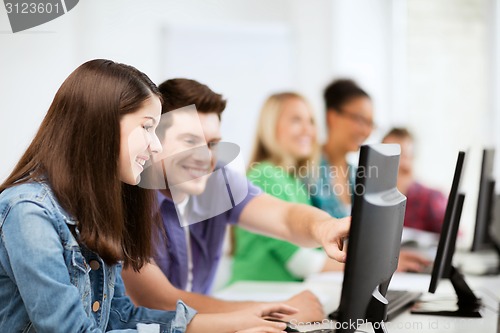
359	119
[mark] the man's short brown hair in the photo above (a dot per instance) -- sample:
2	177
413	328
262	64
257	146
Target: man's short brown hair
178	93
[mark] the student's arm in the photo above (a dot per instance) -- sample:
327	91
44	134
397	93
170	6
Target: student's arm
309	226
125	315
246	320
242	321
297	223
333	266
411	262
151	288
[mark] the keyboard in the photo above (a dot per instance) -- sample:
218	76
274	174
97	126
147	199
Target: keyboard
399	301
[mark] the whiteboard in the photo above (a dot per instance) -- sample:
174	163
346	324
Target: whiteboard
244	62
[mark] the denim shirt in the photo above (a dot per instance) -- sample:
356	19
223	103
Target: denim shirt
49	283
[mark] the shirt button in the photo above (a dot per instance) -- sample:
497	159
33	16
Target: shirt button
94	264
96	306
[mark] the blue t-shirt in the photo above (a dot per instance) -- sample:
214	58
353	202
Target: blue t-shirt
229	193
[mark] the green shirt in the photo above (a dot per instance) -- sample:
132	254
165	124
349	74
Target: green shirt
259	257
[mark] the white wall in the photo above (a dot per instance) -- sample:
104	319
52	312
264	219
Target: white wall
32	67
361	32
494	18
448	93
237	60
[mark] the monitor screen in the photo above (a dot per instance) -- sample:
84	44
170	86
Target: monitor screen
495	223
467	305
440	268
482	239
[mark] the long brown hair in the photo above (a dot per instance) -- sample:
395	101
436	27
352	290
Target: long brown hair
76	149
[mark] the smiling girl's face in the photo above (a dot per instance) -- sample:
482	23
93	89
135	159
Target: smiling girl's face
296	133
138	140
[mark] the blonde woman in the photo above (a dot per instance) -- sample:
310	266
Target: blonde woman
285	151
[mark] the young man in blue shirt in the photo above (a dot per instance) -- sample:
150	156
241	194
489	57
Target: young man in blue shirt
186	262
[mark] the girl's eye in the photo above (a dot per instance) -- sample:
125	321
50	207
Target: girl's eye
212	145
148	128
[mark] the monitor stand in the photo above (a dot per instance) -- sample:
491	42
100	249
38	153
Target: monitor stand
468	304
377	311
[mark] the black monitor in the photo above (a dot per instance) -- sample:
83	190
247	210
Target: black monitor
495	223
374	238
484	212
442	262
468	304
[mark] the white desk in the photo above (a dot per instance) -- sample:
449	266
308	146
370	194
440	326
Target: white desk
327	286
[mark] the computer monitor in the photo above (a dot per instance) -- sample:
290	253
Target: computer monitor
468	304
482	238
442	260
495	223
374	238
